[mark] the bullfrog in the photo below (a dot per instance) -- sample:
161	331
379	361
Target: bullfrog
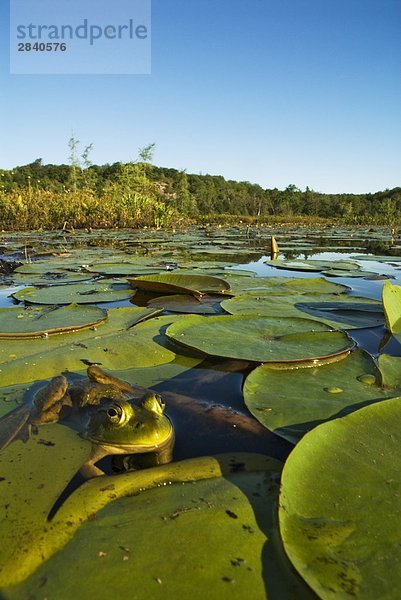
116	417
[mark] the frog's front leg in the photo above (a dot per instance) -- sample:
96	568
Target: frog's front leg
49	401
89	468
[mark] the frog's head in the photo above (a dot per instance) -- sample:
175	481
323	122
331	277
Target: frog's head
124	427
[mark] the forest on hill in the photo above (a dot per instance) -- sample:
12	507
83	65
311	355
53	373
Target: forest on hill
138	193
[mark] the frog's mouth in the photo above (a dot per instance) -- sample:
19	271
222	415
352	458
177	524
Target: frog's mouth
113	447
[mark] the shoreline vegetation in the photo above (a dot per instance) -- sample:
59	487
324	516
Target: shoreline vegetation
139	194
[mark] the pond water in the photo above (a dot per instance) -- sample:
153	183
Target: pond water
205	399
243	249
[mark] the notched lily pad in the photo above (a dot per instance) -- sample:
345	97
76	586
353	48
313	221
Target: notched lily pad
173	283
288	285
291	402
341	310
227	501
259	339
34	475
314	265
123	342
340	527
392	306
80	293
37	322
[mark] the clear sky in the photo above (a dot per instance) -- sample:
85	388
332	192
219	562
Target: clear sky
276	92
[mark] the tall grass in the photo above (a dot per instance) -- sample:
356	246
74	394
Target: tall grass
41	209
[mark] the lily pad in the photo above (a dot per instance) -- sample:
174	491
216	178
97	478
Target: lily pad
230	499
289	285
180	284
339	273
53	278
121	269
384	259
339	505
80	293
349	312
392	306
313	265
46	266
116	345
290	402
36	322
33	475
183	303
259	339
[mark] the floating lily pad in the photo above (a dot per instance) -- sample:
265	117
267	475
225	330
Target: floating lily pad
80	293
289	285
180	284
339	273
53	278
34	322
230	499
183	303
335	310
392	306
339	505
33	475
47	266
115	345
260	339
348	312
313	265
291	402
384	259
121	269
390	369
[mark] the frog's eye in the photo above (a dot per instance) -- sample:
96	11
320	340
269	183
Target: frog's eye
153	403
160	402
115	413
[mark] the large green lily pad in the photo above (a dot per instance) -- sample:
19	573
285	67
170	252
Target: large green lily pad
34	322
33	475
79	293
335	310
339	505
291	402
392	306
260	339
288	285
225	502
180	284
115	345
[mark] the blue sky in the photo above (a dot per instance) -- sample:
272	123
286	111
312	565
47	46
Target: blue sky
277	92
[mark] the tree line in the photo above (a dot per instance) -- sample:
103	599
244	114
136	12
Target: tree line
134	192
